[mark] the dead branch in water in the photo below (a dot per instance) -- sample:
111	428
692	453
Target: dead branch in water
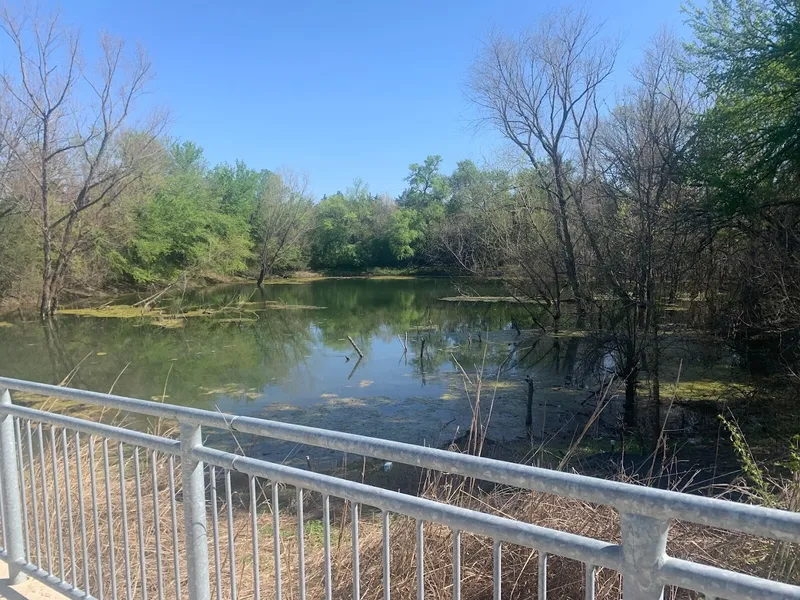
360	354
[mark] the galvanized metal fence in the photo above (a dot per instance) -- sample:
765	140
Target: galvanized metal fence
85	543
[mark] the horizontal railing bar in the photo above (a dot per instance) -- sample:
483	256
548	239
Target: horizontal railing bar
707	579
185	414
663	504
716	582
625	497
51	581
119	434
507	530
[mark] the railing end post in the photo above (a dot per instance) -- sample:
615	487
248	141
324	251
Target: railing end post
644	548
194	511
12	501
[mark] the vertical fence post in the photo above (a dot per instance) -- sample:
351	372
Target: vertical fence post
644	547
12	505
194	513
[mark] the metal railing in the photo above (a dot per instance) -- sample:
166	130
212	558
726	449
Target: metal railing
52	531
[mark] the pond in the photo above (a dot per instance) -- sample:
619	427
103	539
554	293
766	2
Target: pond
283	353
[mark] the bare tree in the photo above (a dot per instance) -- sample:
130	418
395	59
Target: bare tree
637	204
11	130
540	90
77	147
283	219
512	234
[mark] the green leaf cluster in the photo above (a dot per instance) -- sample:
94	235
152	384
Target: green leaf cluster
196	221
747	143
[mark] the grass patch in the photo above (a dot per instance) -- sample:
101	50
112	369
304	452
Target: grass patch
314	531
174	320
117	311
710	389
294	281
488	299
169	323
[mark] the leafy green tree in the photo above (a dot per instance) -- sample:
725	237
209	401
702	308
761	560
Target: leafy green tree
427	195
339	237
426	185
357	230
187	159
184	228
403	234
238	188
747	55
745	155
475	188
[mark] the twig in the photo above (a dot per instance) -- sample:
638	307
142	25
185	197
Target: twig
360	354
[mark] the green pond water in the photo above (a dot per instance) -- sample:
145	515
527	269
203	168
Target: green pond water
269	360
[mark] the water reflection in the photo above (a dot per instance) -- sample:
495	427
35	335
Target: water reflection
297	365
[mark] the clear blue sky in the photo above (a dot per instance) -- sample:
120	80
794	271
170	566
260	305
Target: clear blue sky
338	90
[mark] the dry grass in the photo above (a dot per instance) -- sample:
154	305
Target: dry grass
520	572
152	542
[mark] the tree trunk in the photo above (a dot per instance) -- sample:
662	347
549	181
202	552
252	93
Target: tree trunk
630	398
44	305
565	241
529	411
262	274
656	380
47	266
570	359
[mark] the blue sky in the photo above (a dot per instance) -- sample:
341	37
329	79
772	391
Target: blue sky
337	90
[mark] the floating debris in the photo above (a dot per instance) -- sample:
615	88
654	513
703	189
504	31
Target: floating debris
489	299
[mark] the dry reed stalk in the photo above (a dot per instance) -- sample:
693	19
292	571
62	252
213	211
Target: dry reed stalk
520	570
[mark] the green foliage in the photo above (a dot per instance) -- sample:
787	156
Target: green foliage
426	186
473	188
20	254
356	230
747	55
403	233
747	462
342	239
179	232
793	461
186	226
186	217
237	188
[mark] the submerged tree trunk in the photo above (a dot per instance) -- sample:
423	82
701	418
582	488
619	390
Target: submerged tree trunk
564	237
629	419
529	406
655	377
262	274
46	303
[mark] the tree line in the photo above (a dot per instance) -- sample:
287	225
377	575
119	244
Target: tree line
94	195
680	185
